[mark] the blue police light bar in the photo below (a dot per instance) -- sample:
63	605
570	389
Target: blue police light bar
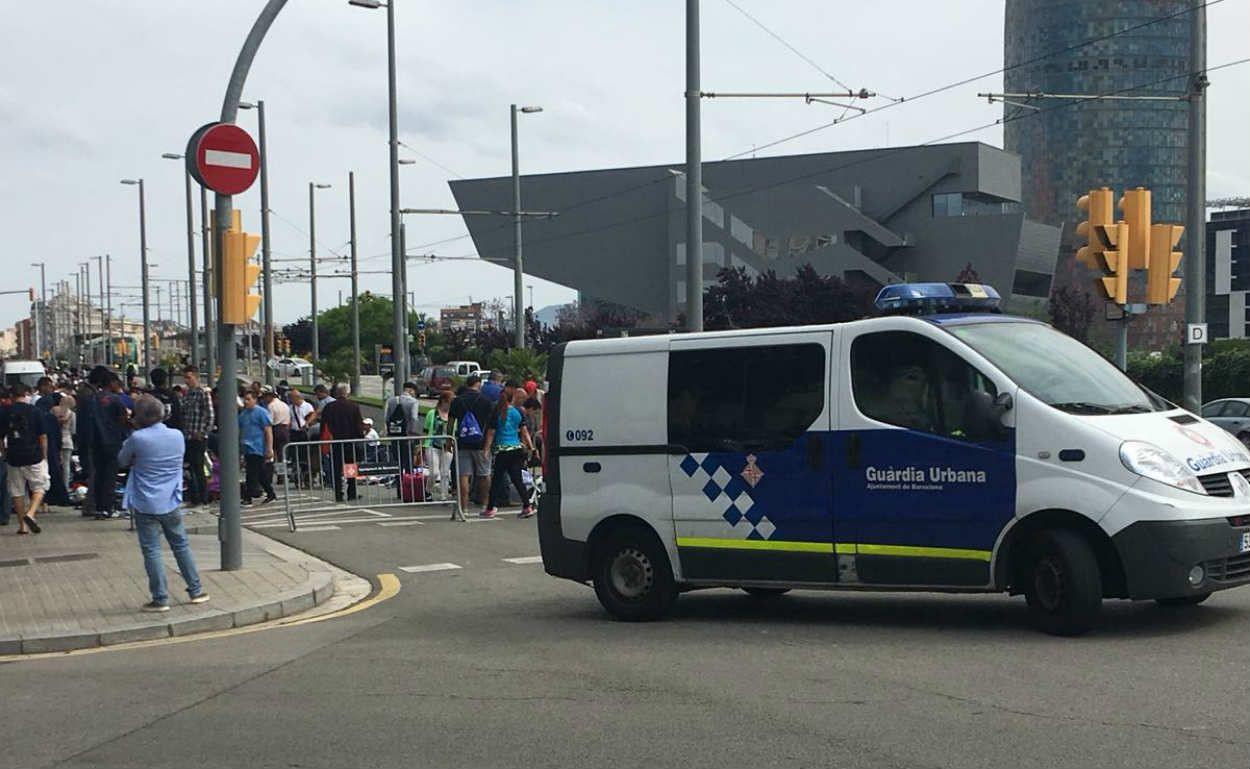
929	298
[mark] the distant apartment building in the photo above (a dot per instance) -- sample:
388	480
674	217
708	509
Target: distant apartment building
1228	274
8	343
465	318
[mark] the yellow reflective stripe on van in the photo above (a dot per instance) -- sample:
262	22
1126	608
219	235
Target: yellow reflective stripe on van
755	544
924	552
841	548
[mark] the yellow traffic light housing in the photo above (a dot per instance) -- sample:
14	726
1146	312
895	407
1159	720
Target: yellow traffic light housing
1136	208
1097	207
238	274
1112	241
1161	285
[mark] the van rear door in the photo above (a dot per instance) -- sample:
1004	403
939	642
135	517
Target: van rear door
749	442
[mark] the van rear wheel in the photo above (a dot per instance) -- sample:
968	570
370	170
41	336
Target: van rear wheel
1062	584
632	575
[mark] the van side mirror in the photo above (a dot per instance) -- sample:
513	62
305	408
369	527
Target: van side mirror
984	416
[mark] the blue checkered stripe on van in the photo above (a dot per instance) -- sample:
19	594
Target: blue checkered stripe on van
722	481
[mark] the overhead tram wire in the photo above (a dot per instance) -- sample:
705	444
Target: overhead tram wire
784	42
667	177
885	153
973	79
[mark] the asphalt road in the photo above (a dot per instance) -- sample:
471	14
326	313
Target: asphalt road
495	664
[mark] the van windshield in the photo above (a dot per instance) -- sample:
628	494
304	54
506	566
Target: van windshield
1056	368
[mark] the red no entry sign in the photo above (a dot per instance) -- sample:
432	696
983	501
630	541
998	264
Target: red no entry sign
223	158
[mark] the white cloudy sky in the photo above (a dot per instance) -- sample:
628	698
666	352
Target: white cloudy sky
92	91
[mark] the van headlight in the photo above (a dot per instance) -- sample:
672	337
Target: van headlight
1150	461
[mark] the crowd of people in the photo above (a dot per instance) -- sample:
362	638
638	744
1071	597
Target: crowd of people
115	449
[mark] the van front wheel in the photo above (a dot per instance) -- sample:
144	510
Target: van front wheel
1063	585
633	577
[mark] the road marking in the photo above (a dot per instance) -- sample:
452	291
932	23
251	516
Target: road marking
401	523
524	560
429	567
388	587
320	528
375	512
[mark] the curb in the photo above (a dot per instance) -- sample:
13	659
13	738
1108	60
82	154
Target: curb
315	591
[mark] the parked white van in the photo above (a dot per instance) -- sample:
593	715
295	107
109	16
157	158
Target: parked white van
942	446
28	372
464	367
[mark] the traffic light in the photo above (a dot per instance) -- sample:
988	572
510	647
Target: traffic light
1161	286
1097	208
1112	242
1136	208
238	273
421	341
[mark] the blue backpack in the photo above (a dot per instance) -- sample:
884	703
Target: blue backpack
470	430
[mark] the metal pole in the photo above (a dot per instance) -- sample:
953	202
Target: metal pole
86	275
694	175
402	301
78	314
518	273
1121	342
43	308
210	330
266	268
312	256
195	320
108	313
351	205
1195	214
398	287
230	523
104	354
143	256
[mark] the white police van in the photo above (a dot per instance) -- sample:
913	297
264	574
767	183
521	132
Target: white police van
942	446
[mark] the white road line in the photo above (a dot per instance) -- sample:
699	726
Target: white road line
401	523
525	560
429	567
375	512
278	524
319	528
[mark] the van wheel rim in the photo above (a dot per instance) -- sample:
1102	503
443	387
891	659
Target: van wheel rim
1048	584
631	573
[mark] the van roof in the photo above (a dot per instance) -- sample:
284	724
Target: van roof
660	342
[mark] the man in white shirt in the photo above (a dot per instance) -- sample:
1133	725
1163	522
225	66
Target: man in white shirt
305	461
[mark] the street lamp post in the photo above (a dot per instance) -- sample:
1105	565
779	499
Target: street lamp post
266	268
143	262
312	253
400	321
41	316
108	309
694	175
85	267
195	326
210	330
351	205
518	296
107	342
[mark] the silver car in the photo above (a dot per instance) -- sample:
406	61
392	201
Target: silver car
1232	414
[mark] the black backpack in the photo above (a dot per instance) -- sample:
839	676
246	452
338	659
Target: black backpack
173	408
397	420
21	441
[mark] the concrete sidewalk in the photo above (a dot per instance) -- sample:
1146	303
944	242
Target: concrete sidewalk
81	582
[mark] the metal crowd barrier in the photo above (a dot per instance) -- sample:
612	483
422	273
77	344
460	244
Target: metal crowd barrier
319	476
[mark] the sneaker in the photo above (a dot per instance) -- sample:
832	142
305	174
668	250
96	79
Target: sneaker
268	499
246	502
201	598
34	527
489	512
526	512
152	607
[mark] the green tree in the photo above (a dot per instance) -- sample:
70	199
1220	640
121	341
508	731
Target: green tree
337	366
520	364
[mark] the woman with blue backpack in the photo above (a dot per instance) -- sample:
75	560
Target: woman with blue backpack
508	436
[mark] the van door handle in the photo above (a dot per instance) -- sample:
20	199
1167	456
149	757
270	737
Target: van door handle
814	452
854	446
592	467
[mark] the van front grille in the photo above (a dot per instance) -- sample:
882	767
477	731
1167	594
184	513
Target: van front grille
1218	484
1233	569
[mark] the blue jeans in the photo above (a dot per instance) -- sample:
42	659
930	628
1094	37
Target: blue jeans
150	528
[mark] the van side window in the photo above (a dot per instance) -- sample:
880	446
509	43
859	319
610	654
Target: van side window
905	379
744	398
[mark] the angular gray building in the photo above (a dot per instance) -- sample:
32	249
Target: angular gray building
881	216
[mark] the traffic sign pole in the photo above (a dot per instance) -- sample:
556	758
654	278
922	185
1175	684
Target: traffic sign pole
229	524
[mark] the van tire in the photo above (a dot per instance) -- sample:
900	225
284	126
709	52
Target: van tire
1062	583
632	575
765	592
1182	602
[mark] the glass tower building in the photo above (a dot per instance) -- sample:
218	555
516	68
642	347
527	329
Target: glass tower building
1069	147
